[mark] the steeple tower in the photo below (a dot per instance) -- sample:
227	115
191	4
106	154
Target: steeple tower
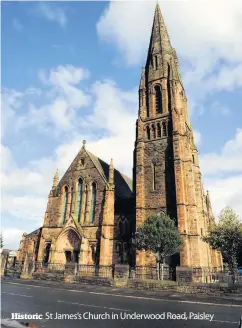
166	168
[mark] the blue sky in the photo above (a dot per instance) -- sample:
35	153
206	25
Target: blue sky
70	71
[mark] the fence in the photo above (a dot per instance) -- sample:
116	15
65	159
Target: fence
205	275
75	269
213	275
14	269
153	272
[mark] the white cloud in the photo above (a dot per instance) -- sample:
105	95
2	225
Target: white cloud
11	237
61	101
225	192
25	207
114	110
10	103
228	161
223	175
53	13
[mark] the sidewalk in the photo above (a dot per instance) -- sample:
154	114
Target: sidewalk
232	299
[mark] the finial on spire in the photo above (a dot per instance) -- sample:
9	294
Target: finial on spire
84	144
111	172
56	179
142	79
208	198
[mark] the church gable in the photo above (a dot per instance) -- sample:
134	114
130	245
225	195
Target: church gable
85	168
88	167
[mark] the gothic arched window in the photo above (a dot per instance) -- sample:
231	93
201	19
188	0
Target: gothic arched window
164	129
79	200
153	131
64	210
148	132
93	202
158	130
158	99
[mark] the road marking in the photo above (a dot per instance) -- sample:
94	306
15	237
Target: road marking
233	322
16	294
95	306
167	300
131	296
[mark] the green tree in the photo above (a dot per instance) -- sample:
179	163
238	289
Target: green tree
1	240
226	237
159	235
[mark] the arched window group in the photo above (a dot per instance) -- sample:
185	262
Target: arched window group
156	130
80	202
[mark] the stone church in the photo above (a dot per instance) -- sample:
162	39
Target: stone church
93	211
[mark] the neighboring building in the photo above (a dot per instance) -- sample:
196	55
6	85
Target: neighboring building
92	212
29	244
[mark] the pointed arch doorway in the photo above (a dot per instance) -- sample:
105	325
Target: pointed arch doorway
68	247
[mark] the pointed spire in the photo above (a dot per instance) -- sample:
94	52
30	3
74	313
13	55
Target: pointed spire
208	198
56	179
142	79
111	173
159	41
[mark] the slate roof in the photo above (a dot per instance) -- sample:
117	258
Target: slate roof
34	233
123	184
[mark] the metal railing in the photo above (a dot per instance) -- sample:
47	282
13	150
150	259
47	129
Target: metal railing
15	269
49	267
85	270
215	275
152	272
95	271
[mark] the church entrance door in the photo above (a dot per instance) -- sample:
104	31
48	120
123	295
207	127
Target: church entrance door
68	247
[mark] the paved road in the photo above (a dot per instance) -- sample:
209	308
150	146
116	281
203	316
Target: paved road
104	307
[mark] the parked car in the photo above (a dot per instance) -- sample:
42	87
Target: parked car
240	269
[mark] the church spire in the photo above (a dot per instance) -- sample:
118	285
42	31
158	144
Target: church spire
159	41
